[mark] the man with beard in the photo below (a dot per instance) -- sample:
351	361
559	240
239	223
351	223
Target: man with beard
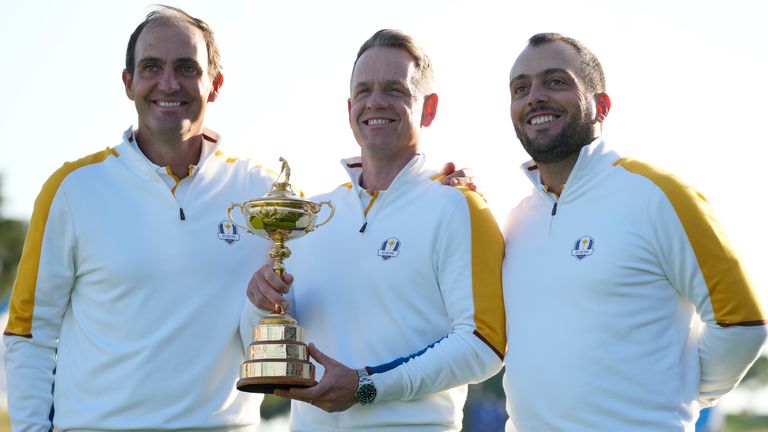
626	306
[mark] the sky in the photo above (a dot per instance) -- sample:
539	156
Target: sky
685	80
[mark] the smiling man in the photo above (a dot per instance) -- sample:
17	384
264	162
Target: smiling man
406	275
627	309
127	310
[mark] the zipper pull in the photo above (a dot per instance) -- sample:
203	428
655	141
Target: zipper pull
554	209
181	214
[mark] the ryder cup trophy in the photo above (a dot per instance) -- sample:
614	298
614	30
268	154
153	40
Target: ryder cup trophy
278	357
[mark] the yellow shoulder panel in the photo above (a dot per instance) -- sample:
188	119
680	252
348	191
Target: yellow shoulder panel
22	301
487	257
734	301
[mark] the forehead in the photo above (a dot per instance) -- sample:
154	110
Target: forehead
170	40
551	55
384	64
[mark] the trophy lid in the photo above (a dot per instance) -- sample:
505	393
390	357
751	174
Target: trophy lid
282	190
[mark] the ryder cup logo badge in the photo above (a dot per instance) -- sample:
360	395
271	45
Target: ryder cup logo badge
583	247
389	248
228	232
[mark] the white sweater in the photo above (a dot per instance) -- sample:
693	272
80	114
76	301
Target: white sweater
137	310
425	270
604	295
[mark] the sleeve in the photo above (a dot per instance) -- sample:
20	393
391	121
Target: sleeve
702	265
39	299
249	319
469	277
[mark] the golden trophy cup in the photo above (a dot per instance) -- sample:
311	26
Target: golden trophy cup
278	356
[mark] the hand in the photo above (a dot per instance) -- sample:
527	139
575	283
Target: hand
335	391
462	177
266	289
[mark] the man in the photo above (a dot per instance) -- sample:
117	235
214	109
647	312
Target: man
406	274
129	291
627	308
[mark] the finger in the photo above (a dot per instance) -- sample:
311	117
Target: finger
448	169
320	356
262	293
278	284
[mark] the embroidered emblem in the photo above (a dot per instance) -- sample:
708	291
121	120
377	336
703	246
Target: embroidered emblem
583	247
228	232
389	248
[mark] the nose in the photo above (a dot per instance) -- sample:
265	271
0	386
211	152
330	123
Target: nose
537	95
169	82
376	100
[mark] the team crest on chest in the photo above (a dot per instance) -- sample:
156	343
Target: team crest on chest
584	247
228	232
390	248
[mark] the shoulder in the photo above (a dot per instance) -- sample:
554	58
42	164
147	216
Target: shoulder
68	168
679	193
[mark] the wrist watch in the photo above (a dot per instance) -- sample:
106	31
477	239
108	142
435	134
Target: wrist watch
366	390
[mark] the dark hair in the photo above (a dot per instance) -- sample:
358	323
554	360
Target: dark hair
171	15
590	66
389	38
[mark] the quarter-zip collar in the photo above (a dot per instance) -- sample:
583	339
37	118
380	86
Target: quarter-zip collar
594	159
412	172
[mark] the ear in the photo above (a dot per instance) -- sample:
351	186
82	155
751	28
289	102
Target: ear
429	110
349	111
215	86
603	103
128	82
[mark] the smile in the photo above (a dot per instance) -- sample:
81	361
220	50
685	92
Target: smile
539	120
378	122
166	104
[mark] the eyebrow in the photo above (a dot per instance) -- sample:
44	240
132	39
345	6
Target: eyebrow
370	83
545	72
151	59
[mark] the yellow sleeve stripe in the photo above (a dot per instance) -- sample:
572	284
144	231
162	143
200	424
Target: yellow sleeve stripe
22	301
734	300
487	257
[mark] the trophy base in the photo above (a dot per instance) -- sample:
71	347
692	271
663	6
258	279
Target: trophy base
264	376
268	385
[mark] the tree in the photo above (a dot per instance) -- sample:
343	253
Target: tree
12	233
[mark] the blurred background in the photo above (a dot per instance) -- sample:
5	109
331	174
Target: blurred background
684	79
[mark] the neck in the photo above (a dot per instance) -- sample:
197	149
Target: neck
555	174
378	174
175	152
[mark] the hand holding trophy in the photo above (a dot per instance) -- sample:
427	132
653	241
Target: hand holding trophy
278	357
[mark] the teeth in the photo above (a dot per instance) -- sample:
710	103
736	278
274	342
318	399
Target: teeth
377	122
168	104
542	119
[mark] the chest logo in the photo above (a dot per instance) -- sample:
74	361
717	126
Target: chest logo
390	248
228	232
584	247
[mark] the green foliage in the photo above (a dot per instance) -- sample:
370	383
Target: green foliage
12	234
757	376
745	423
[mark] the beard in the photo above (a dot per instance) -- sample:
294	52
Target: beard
572	137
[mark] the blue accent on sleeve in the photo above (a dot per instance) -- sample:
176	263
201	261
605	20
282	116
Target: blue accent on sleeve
397	362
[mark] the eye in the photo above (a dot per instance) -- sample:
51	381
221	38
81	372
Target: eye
188	69
150	68
557	82
519	89
397	91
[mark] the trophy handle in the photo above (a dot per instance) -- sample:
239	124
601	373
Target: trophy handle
229	216
333	210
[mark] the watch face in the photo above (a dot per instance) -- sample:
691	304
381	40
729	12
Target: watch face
366	394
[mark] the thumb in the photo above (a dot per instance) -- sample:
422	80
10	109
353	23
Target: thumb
448	169
319	355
